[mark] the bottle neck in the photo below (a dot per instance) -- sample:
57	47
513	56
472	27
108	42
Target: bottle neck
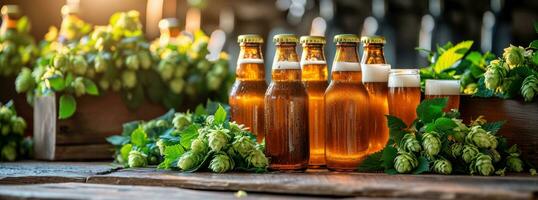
346	67
313	64
286	65
313	52
373	54
250	62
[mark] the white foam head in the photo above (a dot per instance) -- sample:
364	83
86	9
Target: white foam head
404	78
313	62
249	61
346	66
375	72
286	65
442	87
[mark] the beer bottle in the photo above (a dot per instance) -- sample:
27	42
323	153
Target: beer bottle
286	109
346	106
375	73
10	15
248	91
314	76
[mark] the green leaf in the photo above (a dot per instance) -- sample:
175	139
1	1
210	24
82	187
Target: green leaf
117	140
23	25
534	44
69	79
431	109
171	156
124	151
129	127
139	137
389	153
56	82
204	162
396	127
372	163
444	124
423	165
220	115
91	88
187	135
68	106
493	127
451	56
200	110
391	171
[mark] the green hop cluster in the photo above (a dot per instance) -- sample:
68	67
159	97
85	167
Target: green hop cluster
442	166
480	138
13	145
17	47
24	81
218	137
482	165
431	143
410	143
495	74
182	120
243	145
221	163
256	158
137	159
514	56
189	160
456	150
470	152
460	130
514	163
199	145
405	162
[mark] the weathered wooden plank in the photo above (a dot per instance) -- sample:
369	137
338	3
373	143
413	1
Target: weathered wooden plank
31	172
335	184
101	191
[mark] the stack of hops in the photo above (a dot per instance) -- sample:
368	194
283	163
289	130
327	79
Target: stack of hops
13	145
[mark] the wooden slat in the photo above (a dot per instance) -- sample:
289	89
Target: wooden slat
335	184
84	152
100	191
31	172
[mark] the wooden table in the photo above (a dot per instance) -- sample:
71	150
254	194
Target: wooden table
70	180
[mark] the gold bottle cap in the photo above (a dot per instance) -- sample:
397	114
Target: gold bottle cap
168	23
375	39
346	38
10	10
67	9
285	38
312	40
250	38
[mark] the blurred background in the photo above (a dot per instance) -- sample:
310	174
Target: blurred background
406	24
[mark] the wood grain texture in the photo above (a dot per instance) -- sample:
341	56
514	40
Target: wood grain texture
101	191
334	184
32	172
521	126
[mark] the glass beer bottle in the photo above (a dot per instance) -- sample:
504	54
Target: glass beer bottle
404	94
248	91
444	89
346	106
375	72
286	109
314	76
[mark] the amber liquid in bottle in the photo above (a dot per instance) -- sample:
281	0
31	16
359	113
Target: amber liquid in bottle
346	105
314	76
286	113
376	84
248	91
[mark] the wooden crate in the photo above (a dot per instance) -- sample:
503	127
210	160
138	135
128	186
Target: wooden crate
521	120
83	136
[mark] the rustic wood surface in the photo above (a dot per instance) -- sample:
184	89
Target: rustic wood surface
32	172
335	184
522	120
101	191
313	183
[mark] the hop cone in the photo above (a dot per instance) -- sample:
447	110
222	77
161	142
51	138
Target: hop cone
514	56
137	159
482	165
480	138
405	162
237	128
221	163
514	163
529	88
442	166
410	143
24	81
256	158
460	130
160	144
182	120
494	75
79	86
479	121
17	124
495	156
189	160
9	152
469	153
456	150
128	78
243	145
5	113
218	138
199	146
431	143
